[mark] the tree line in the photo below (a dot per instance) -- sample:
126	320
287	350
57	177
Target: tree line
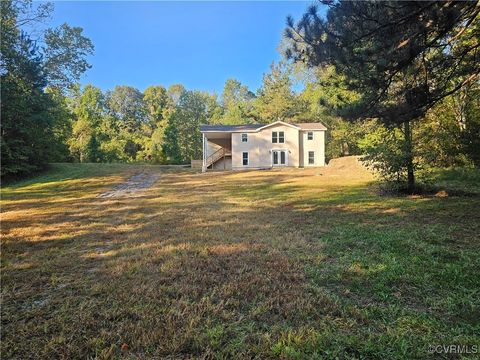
161	125
404	101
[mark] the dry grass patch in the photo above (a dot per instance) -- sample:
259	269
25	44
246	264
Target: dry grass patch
285	263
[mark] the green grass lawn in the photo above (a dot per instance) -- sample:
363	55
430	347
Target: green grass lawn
287	263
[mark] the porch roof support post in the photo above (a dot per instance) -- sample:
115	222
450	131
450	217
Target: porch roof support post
204	154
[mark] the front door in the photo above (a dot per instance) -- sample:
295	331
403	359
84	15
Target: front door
279	158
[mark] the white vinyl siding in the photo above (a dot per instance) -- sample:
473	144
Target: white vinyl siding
312	149
260	148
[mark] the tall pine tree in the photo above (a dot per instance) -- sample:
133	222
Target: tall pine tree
401	57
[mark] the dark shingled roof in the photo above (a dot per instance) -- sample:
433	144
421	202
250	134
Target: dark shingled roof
250	127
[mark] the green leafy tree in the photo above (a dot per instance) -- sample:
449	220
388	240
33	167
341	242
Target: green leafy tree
174	93
214	111
156	101
170	147
158	107
385	152
26	127
470	136
401	57
127	105
237	103
276	99
112	143
65	45
62	120
154	147
183	140
89	111
31	126
324	93
191	112
450	131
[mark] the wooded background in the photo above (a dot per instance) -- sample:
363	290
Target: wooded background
394	81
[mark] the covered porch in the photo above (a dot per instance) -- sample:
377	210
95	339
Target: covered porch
217	151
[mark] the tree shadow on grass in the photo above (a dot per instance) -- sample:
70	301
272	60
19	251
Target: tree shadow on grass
202	265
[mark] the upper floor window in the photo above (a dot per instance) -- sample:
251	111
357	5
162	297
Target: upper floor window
245	158
310	135
278	137
244	137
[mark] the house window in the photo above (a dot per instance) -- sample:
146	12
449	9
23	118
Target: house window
281	137
245	158
274	137
310	135
244	137
311	158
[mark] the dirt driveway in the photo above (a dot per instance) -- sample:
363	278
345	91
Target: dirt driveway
134	183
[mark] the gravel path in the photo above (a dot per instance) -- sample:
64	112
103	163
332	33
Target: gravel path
135	183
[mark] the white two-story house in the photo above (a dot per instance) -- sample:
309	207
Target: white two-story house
260	146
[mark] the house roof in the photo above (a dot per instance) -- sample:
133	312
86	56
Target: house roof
279	122
230	128
255	127
312	126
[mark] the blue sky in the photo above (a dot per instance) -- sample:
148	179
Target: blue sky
198	44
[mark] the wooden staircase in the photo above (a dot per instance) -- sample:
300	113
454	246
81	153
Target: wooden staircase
217	155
